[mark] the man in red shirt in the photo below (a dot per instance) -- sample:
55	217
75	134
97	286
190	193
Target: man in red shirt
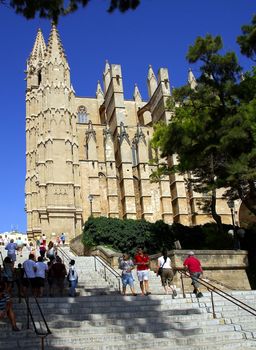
193	265
141	260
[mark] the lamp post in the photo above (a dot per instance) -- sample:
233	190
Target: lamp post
231	206
90	197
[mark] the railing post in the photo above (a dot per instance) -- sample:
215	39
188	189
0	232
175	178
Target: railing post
42	343
119	285
105	273
27	313
95	263
182	285
213	309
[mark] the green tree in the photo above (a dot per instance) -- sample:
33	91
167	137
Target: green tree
247	40
213	128
53	9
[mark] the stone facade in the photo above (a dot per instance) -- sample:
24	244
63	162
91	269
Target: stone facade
78	147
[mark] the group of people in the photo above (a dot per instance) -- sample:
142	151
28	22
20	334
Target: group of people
141	262
32	275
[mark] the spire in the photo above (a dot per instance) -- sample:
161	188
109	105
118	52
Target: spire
38	50
99	92
191	79
55	51
152	82
136	94
106	76
107	67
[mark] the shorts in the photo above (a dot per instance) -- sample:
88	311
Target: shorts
39	282
194	276
142	275
12	257
26	282
166	277
127	278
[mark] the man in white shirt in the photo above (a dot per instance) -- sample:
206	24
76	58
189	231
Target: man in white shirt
41	268
30	269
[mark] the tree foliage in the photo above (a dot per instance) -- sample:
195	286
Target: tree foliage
126	235
213	128
53	9
247	40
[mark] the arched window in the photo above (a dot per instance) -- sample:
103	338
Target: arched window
82	115
39	77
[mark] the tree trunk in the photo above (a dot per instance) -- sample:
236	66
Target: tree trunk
216	217
249	199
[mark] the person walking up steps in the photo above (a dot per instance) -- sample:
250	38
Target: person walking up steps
6	308
72	279
141	260
193	265
11	250
127	265
166	273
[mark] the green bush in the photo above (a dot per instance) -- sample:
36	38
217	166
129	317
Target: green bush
127	235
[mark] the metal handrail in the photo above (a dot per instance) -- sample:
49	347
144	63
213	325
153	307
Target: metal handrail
43	335
65	256
213	289
109	268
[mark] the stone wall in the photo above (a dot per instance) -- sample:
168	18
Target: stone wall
225	266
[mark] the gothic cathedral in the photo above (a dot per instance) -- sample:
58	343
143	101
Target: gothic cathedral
91	156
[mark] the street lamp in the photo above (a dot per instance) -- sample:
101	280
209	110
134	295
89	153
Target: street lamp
231	206
90	197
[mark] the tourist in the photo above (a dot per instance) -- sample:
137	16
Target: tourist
51	251
166	273
19	275
41	268
43	240
29	280
8	274
141	260
31	248
72	278
11	250
63	238
42	250
193	266
6	307
127	265
58	273
20	245
50	277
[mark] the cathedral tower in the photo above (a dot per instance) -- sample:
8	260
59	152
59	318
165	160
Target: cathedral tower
53	198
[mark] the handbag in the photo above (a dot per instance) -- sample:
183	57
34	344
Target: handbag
160	269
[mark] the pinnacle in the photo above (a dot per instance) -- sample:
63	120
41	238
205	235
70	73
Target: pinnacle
55	49
38	50
136	93
151	73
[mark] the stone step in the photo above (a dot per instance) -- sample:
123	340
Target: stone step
130	341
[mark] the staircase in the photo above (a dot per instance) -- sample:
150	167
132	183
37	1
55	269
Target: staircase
102	319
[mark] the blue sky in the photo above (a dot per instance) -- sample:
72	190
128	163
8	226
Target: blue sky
159	33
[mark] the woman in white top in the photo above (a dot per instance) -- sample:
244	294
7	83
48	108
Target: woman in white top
165	271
